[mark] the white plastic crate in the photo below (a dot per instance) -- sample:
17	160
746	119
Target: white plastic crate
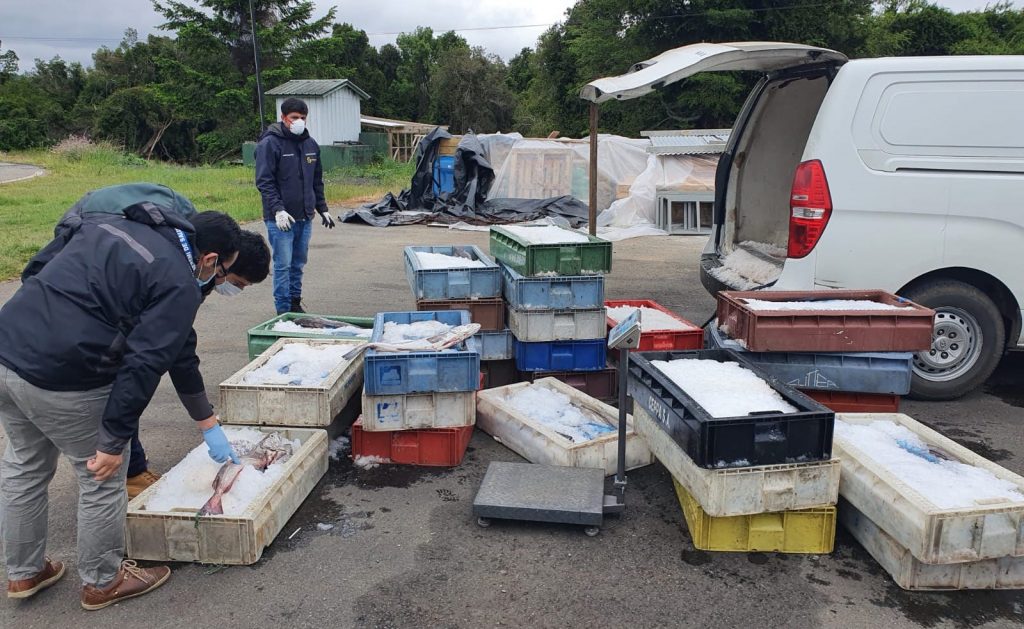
539	326
1005	573
418	410
539	443
742	490
935	536
220	539
280	405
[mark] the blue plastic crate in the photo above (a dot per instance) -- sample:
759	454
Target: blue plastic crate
444	174
399	373
496	345
562	355
854	372
562	292
479	283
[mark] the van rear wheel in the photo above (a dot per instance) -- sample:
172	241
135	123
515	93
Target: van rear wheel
968	340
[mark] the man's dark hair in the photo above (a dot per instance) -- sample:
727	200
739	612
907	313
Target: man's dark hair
216	232
294	106
253	262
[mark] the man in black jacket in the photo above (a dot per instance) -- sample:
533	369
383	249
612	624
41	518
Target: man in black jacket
83	345
290	179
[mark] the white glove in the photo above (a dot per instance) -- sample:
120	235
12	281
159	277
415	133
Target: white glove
284	221
326	219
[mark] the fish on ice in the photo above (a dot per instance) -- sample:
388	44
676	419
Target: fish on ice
434	343
271	449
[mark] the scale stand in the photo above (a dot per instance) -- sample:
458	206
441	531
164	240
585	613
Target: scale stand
564	495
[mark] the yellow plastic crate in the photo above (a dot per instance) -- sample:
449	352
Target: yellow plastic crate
811	531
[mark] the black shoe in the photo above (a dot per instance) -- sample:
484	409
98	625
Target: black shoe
297	306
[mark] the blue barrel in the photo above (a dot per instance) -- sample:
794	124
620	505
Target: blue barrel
444	174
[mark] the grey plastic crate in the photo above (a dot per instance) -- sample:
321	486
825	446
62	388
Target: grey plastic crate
498	345
529	326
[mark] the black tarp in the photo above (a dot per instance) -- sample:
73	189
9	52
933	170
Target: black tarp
468	202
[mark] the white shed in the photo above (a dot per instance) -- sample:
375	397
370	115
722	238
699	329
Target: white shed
334	111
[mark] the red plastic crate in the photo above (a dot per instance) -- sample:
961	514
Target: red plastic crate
439	447
849	402
489	313
657	340
908	329
603	384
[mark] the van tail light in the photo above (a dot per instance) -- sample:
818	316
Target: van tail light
810	206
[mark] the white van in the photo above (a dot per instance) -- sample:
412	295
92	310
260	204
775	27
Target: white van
905	174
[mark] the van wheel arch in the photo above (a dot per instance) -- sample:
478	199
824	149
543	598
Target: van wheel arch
981	316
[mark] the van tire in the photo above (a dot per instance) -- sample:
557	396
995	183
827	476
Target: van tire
960	309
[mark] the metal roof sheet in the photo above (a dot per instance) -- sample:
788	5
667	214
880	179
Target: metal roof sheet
687	142
314	87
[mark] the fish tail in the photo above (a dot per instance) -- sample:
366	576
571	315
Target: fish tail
213	506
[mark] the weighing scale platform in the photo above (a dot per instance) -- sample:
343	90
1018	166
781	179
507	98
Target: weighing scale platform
541	493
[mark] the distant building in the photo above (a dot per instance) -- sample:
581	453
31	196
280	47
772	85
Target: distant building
334	107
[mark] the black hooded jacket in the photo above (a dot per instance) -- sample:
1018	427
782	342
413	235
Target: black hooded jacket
114	306
288	173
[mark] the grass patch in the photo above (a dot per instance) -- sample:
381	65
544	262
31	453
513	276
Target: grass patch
29	209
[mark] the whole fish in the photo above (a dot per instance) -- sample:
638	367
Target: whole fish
434	343
268	451
319	323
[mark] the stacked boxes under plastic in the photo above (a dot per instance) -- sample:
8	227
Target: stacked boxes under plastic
760	482
419	407
867	374
556	313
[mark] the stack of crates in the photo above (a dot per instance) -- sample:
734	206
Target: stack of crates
419	408
849	360
477	290
555	295
762	482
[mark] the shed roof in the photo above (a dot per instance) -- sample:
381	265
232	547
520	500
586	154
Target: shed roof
315	87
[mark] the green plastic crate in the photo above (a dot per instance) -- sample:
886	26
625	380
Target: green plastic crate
586	258
263	336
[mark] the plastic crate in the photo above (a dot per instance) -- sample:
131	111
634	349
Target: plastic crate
742	490
587	258
435	447
284	405
498	373
478	283
420	410
562	356
655	340
222	539
603	384
532	326
263	335
933	535
539	443
807	531
908	329
862	372
849	402
757	439
551	293
489	313
498	345
1005	573
399	373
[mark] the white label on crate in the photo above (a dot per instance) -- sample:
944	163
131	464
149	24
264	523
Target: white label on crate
658	409
813	380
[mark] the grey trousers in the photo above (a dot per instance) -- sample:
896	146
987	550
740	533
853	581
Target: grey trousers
40	425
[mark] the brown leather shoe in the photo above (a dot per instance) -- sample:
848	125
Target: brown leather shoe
23	588
139	483
131	581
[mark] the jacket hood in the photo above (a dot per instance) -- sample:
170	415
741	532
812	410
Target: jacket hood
280	131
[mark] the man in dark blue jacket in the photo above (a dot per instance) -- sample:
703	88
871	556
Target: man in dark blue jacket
291	182
83	345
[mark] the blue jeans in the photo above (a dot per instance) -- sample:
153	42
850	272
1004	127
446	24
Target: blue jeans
291	250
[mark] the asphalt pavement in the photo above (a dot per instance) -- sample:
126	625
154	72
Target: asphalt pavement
405	550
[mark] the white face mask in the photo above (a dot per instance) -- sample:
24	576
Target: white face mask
298	126
227	289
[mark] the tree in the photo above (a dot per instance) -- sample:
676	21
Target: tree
469	91
8	64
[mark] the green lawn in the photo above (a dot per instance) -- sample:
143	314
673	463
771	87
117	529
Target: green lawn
30	209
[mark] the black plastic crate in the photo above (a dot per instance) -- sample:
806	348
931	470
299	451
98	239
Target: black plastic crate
715	442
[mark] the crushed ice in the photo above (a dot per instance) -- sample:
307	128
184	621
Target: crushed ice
556	410
298	364
430	260
723	389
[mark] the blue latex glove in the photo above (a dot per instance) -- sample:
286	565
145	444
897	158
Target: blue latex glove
220	448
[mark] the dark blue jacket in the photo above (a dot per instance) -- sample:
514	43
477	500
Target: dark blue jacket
114	305
288	173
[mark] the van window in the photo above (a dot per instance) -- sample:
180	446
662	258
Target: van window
942	121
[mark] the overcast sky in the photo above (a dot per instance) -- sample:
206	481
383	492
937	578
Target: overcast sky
73	29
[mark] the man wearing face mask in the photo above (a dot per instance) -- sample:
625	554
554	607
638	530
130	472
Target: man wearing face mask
83	345
291	183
